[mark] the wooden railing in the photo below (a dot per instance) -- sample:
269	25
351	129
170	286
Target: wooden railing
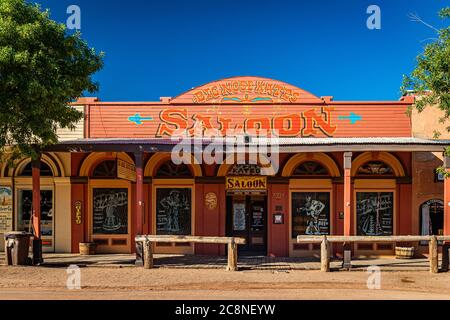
232	243
326	240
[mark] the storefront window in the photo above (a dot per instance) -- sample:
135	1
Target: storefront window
374	213
110	206
25	203
310	213
173	211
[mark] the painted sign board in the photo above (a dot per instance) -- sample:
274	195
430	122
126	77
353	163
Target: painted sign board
246	183
249	105
6	209
126	170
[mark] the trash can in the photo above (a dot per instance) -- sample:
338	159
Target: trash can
17	246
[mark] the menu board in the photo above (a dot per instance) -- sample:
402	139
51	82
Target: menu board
310	213
257	217
374	213
173	211
6	210
110	208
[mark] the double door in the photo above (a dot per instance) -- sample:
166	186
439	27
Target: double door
247	218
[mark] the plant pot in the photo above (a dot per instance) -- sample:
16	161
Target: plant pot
404	252
87	248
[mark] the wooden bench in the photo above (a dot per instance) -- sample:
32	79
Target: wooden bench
232	243
325	240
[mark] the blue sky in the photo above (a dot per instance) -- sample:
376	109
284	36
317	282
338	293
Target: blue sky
163	48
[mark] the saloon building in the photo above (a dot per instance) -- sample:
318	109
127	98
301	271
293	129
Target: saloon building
302	164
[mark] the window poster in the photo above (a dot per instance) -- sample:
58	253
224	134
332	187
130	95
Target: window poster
310	213
6	209
239	221
110	206
173	211
374	213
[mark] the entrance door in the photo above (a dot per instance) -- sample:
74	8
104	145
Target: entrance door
432	218
247	218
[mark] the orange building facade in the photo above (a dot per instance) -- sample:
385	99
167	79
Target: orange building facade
255	158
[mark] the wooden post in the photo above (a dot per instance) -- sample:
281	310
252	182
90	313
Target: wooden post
232	256
347	193
445	257
148	255
36	210
324	256
433	246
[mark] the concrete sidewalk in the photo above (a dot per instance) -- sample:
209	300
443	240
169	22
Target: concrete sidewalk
213	262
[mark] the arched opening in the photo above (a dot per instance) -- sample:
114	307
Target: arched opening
431	217
105	170
46	171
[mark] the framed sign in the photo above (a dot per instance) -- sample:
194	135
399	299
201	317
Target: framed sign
374	213
6	209
110	211
278	218
310	213
173	211
126	170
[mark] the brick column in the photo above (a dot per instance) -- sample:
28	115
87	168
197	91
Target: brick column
447	198
139	203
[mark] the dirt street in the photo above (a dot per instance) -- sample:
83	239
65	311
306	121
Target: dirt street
128	282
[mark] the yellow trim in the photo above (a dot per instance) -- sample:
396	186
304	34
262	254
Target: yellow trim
385	157
159	158
20	165
109	248
307	253
375	184
169	183
234	158
299	158
95	157
310	183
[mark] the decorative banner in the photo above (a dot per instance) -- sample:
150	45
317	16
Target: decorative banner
78	212
211	200
6	209
246	183
126	170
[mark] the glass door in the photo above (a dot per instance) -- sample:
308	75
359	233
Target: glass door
24	215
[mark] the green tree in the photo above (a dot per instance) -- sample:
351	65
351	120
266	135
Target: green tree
431	77
43	67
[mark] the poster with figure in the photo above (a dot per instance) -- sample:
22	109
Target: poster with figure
110	206
6	210
173	211
310	213
374	213
239	221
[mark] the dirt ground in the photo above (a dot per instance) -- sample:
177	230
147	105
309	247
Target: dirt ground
129	282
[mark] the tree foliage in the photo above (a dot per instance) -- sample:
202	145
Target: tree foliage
431	77
42	69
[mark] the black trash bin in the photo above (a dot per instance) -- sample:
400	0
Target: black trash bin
17	246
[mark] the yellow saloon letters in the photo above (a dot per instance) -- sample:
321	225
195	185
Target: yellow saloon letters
246	183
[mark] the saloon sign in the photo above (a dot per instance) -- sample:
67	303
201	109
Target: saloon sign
246	183
178	121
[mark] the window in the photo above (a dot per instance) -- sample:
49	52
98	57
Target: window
171	170
375	168
310	213
310	168
173	211
110	211
374	213
25	203
46	171
106	169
